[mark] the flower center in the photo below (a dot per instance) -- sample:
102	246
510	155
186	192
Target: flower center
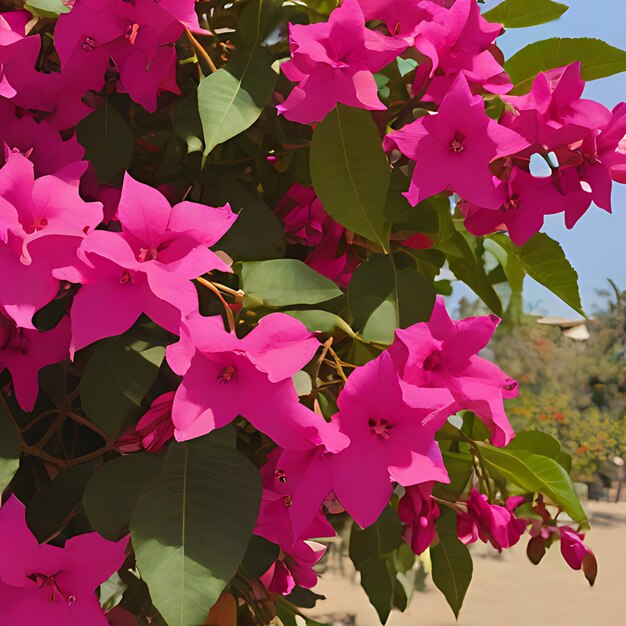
280	475
126	278
146	254
380	427
512	204
88	44
432	361
131	33
51	586
39	224
510	384
456	145
227	374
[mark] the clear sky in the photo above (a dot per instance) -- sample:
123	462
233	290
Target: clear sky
596	246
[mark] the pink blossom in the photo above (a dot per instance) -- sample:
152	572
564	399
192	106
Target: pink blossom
224	376
147	267
153	431
391	427
43	222
442	353
526	200
139	36
453	149
333	62
45	584
40	141
25	351
490	522
11	31
294	568
419	512
577	554
459	40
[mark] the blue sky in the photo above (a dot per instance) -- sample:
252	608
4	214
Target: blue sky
596	247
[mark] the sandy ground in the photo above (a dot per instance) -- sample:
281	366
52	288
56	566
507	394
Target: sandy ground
508	590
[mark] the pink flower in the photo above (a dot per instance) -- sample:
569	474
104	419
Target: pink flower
42	223
459	40
577	554
419	512
303	215
307	223
490	522
25	351
40	141
525	201
44	584
294	568
333	62
147	267
139	36
153	430
11	30
224	376
442	353
391	427
453	149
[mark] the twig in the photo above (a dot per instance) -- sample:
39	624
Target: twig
200	51
229	314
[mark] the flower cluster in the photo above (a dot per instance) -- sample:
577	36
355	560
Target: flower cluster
83	262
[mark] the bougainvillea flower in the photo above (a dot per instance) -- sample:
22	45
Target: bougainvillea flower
459	40
391	427
490	522
553	114
334	62
419	512
43	222
289	512
576	554
294	568
526	201
443	353
302	215
453	149
307	223
147	267
225	376
153	431
41	140
45	584
139	36
24	352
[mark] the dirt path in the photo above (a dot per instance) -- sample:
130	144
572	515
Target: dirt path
508	590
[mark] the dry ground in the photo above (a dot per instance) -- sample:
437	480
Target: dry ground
508	590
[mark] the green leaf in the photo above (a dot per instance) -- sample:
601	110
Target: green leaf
187	122
257	20
369	548
537	474
108	142
460	467
544	260
462	260
116	379
537	442
597	57
322	322
452	566
112	493
53	504
257	233
9	447
284	282
192	524
47	8
350	172
259	556
522	13
231	99
387	292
